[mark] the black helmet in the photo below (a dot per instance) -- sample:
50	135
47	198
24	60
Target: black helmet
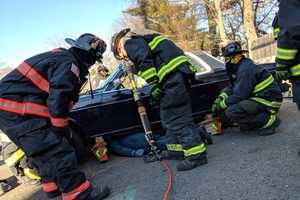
232	48
85	41
115	42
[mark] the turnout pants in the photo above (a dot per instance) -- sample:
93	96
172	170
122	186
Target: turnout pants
176	117
296	90
46	148
248	114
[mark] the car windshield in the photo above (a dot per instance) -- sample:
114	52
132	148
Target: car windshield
117	79
199	67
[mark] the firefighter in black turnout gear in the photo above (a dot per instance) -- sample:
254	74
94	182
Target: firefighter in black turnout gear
286	28
253	98
167	71
35	99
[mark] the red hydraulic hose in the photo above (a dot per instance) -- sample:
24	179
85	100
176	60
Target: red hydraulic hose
147	128
170	179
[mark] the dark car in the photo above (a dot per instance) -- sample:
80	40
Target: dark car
110	110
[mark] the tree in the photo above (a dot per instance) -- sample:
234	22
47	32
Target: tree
249	21
219	20
175	20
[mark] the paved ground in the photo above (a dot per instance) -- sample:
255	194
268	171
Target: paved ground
241	167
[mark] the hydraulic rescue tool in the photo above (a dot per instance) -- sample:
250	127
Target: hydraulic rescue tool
129	67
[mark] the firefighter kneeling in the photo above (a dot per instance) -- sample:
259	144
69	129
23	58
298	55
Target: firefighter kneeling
253	98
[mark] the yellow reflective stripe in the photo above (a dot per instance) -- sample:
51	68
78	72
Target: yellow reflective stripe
223	95
278	65
286	54
31	174
273	104
195	150
14	158
295	70
171	66
140	83
264	84
276	32
149	73
270	121
153	44
174	147
223	104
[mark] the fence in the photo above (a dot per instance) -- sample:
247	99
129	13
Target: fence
263	49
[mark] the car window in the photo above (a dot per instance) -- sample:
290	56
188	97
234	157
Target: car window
197	62
117	80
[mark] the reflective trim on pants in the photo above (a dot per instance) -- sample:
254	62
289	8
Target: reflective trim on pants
273	104
194	150
271	121
74	193
174	147
49	187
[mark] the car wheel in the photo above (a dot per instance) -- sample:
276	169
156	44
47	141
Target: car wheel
77	140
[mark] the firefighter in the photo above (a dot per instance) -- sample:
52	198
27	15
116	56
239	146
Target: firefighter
253	97
35	99
286	27
167	71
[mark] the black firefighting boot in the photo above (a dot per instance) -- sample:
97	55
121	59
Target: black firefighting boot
270	130
165	155
53	194
4	187
90	193
192	162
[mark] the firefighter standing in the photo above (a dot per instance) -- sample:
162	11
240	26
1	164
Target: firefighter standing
167	71
287	33
35	99
253	98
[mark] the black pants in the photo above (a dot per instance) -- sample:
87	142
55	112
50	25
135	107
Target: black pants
176	112
248	114
47	149
296	91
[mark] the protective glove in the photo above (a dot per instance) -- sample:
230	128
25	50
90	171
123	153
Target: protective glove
215	108
223	105
155	91
282	75
216	105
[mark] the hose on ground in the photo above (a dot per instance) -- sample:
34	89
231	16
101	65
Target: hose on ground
170	179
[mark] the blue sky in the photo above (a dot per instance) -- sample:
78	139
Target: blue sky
29	27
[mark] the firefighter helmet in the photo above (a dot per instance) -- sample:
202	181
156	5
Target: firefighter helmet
232	48
115	42
85	42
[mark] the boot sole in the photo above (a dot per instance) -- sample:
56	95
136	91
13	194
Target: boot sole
271	130
203	161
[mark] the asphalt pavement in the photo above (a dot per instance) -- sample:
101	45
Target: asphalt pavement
241	167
